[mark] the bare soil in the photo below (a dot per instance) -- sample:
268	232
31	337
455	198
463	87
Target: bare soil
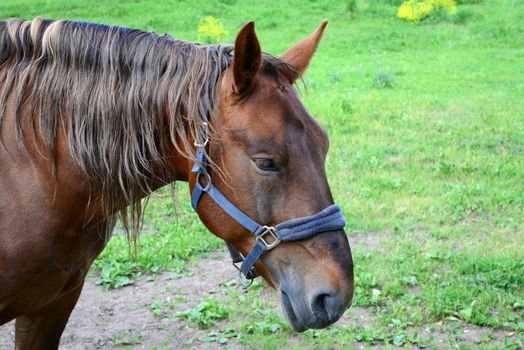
107	319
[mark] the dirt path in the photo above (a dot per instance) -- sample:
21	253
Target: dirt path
119	317
103	319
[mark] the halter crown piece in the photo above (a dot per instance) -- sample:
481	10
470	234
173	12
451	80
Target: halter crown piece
267	237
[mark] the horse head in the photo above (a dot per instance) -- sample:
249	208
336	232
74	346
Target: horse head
269	162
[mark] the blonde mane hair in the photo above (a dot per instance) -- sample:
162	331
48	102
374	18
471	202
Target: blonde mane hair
126	98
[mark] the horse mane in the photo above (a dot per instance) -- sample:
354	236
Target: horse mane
125	98
116	91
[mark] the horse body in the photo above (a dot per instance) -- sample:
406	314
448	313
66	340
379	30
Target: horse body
67	168
46	248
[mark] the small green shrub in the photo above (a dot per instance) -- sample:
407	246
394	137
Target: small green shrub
335	77
462	16
205	314
383	80
127	338
346	106
351	7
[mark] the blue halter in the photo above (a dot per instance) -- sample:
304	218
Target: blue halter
267	237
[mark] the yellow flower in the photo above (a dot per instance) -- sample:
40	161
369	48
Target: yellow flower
211	30
417	10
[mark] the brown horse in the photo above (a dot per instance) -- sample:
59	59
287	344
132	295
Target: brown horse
94	118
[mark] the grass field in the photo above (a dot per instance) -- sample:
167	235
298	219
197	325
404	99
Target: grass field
426	122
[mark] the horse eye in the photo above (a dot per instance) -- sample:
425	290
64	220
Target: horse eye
265	164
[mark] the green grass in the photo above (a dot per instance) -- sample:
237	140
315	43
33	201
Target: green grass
172	235
427	131
205	314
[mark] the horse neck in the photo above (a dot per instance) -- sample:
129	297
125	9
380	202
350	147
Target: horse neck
120	106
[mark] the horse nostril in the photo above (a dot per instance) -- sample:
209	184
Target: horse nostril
323	305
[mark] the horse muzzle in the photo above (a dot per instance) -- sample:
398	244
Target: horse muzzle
316	284
317	309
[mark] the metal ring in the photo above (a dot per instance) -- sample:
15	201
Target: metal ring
208	184
246	282
201	145
206	134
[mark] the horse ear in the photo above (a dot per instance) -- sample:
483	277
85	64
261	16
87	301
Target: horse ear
300	55
247	59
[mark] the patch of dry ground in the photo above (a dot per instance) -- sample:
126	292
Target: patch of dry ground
104	319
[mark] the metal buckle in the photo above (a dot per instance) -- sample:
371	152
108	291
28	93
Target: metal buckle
268	231
206	141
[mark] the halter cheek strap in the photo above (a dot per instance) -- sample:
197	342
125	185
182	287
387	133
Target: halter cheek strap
267	237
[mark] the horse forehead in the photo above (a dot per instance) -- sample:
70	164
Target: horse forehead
275	113
299	123
290	119
278	104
